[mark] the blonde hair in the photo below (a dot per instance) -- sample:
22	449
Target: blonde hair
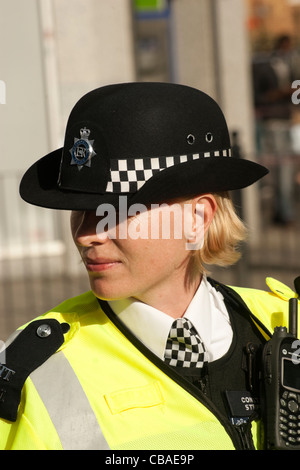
223	238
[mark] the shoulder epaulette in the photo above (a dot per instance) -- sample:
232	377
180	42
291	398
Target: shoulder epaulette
30	349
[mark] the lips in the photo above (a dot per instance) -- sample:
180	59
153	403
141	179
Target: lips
100	264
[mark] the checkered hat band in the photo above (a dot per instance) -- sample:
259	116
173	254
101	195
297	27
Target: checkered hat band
184	347
129	175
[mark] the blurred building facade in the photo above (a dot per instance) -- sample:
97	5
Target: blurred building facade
267	19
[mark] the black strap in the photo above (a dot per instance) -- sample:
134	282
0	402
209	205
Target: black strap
231	296
31	348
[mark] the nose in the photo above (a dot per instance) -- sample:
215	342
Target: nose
84	229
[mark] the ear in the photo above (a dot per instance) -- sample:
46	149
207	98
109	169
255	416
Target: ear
201	214
208	205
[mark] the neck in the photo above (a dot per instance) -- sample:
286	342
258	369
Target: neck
173	301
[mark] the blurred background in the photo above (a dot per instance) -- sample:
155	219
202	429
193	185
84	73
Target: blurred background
244	53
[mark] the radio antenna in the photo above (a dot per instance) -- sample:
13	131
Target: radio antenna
293	316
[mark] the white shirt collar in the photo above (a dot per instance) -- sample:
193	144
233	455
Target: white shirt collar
206	311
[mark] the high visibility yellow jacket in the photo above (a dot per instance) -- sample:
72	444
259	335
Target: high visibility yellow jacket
102	391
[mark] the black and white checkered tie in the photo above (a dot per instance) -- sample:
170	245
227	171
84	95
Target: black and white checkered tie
184	346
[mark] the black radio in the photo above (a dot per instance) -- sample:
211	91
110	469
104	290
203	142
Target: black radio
280	397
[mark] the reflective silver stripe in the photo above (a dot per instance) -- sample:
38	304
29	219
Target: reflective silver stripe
68	405
12	337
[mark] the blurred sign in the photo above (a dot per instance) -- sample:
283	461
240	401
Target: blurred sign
150	5
152	8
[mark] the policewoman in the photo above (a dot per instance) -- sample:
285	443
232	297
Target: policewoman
155	355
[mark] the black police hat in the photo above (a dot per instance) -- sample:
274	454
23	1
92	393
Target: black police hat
152	142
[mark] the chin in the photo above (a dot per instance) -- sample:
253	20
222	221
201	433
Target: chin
107	290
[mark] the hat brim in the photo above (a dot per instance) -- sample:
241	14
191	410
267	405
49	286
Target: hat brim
206	175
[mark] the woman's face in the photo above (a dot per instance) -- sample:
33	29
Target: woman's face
142	258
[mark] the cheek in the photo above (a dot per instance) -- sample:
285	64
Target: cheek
164	222
75	222
137	227
156	258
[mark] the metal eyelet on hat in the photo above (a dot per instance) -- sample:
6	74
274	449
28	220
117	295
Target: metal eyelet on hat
191	139
209	137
